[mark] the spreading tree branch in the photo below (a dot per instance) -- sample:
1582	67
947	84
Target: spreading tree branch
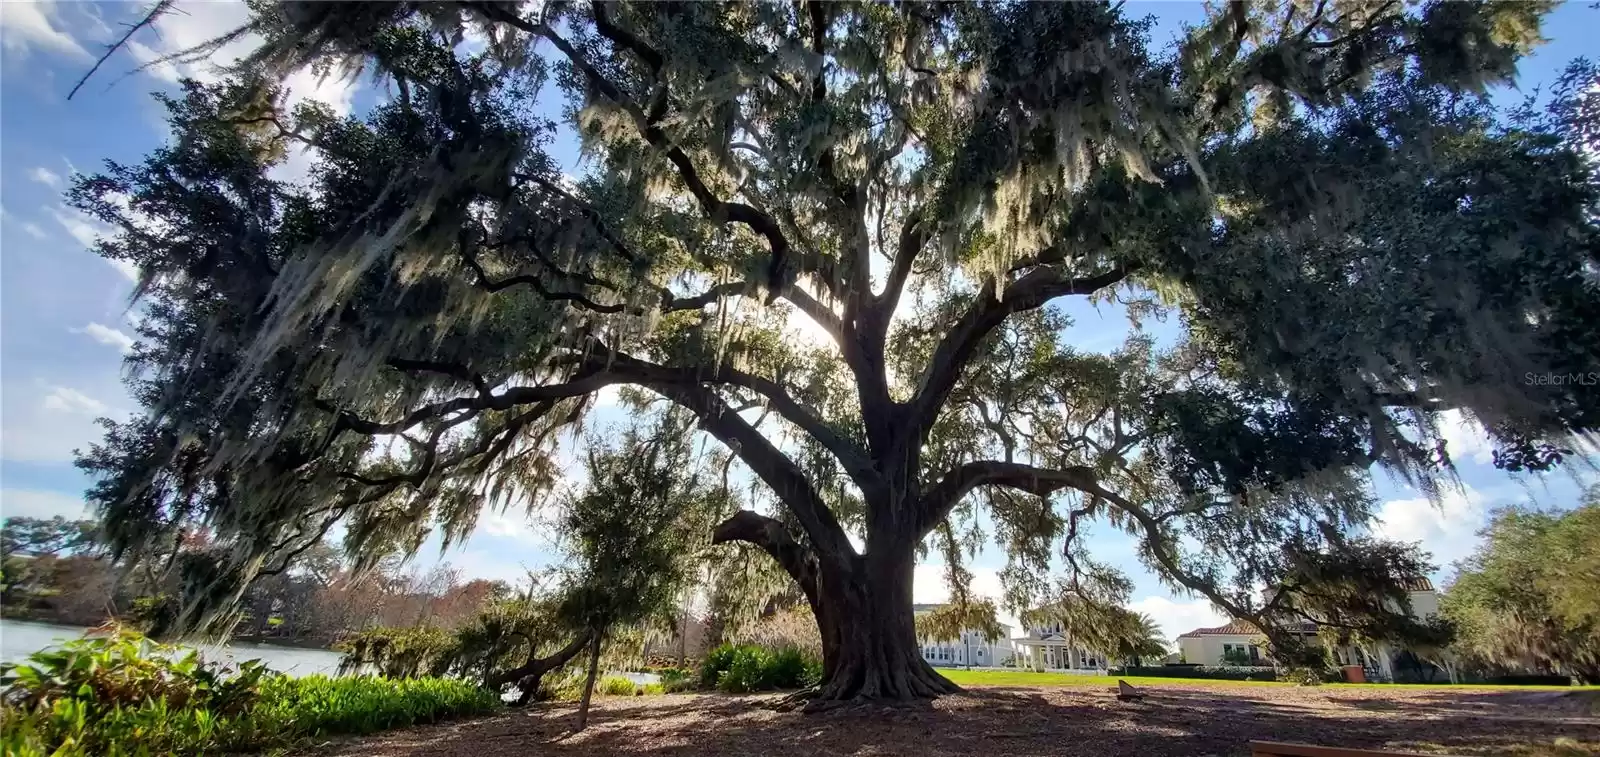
953	353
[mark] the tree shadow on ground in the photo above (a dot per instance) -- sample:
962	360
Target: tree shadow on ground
994	722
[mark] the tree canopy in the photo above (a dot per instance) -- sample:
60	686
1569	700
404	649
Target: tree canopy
1526	598
1319	193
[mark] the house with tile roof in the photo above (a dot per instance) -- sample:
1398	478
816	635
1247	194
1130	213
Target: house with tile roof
1241	642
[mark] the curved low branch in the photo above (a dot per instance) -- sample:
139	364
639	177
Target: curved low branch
773	538
536	667
770	464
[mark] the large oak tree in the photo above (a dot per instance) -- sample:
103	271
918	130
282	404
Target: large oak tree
1350	238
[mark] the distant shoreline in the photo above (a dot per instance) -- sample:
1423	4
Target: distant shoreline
10	615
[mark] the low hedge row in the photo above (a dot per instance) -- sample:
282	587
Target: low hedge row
1206	672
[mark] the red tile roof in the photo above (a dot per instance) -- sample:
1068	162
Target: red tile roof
1417	584
1245	628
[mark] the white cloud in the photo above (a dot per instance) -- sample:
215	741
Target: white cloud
1465	439
1448	530
29	26
86	230
34	231
107	335
928	584
68	400
46	177
1178	617
45	423
128	270
38	503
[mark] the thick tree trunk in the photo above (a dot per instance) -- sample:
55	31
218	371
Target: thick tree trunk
588	684
869	640
863	610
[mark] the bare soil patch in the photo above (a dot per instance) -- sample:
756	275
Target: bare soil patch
1180	719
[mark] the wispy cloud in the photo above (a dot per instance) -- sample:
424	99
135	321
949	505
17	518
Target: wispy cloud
31	26
65	399
106	335
82	228
88	232
33	230
46	177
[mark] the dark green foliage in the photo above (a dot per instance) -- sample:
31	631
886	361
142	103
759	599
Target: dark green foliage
745	668
1526	598
1199	672
124	695
399	652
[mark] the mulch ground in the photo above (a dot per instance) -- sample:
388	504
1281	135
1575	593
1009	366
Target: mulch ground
1178	720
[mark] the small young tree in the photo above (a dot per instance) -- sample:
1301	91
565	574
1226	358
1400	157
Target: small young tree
636	529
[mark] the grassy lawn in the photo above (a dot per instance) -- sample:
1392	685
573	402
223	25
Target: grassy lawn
1029	678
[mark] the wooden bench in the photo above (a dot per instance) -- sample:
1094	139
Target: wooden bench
1280	749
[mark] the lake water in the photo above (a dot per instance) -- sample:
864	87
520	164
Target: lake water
18	639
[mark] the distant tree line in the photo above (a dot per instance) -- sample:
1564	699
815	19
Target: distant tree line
57	570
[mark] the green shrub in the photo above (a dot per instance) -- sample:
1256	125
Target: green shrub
787	670
1530	680
1202	672
653	689
717	662
678	681
125	695
616	686
739	669
751	670
398	652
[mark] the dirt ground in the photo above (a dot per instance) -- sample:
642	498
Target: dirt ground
1179	719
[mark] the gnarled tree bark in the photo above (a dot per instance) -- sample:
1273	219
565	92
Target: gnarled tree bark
862	604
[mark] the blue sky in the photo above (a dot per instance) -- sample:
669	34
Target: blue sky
64	318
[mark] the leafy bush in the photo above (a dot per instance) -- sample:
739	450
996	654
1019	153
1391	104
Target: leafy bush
320	705
1530	680
716	663
616	686
125	695
398	652
674	680
791	669
652	689
1204	672
739	669
751	670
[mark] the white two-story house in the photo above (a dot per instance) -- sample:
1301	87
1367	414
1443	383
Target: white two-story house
1049	648
973	649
